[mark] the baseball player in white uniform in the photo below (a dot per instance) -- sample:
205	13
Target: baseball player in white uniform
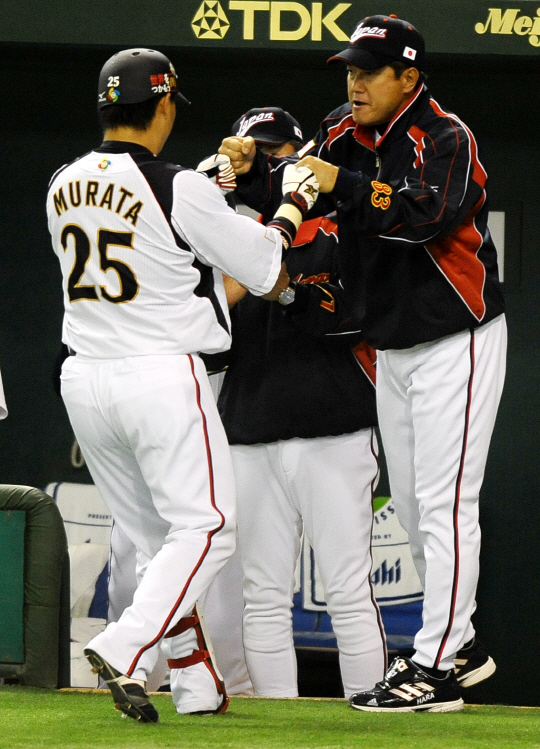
419	268
142	245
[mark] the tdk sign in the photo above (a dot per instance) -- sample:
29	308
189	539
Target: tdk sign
212	21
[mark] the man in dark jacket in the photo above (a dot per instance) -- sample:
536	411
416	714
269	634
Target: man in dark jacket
419	269
298	406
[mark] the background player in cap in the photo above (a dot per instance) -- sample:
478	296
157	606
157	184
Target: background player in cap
420	271
298	407
139	243
273	129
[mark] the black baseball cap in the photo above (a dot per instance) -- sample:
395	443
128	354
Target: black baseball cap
136	75
379	40
268	125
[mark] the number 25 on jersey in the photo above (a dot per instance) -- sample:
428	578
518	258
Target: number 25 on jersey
129	286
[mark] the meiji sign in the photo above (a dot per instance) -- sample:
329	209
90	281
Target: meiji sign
509	22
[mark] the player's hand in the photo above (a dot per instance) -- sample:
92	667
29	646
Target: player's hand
326	173
300	190
218	169
241	152
282	282
302	184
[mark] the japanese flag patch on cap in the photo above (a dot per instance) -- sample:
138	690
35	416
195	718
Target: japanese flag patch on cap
379	40
410	53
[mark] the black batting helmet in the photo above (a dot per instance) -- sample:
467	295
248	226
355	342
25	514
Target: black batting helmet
136	75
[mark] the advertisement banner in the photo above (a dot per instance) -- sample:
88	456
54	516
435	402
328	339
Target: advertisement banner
455	26
393	574
394	579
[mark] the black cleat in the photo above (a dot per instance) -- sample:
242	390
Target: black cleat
129	695
407	689
473	664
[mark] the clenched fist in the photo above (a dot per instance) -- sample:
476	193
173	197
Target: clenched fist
241	152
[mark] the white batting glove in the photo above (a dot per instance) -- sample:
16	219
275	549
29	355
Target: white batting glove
300	181
218	169
300	190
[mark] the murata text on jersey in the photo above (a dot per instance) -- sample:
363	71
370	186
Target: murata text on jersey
92	193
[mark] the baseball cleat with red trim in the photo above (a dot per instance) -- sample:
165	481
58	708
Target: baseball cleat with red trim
406	688
473	664
129	695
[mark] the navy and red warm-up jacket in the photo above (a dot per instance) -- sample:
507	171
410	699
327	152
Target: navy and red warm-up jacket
303	370
417	259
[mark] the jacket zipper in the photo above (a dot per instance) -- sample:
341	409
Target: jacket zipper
378	163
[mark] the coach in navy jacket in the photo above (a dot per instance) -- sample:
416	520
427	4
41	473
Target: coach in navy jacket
419	269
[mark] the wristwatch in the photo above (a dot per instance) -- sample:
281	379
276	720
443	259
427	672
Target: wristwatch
286	296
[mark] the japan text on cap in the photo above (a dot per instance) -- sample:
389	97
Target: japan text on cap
268	125
379	40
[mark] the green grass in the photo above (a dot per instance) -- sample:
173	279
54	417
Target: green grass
65	720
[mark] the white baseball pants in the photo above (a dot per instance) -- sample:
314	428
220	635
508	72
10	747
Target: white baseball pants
437	404
324	485
150	432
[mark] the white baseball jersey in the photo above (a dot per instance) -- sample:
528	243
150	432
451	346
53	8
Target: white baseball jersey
153	290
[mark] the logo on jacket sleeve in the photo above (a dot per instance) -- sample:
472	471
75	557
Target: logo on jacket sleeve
379	197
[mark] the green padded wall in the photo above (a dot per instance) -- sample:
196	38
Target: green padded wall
12	525
44	587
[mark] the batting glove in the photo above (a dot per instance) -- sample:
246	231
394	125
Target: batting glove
218	169
300	191
301	184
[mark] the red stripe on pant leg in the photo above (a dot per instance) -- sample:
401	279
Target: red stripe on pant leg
372	592
456	507
179	600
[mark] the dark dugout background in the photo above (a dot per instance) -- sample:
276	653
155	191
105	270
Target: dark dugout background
48	118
